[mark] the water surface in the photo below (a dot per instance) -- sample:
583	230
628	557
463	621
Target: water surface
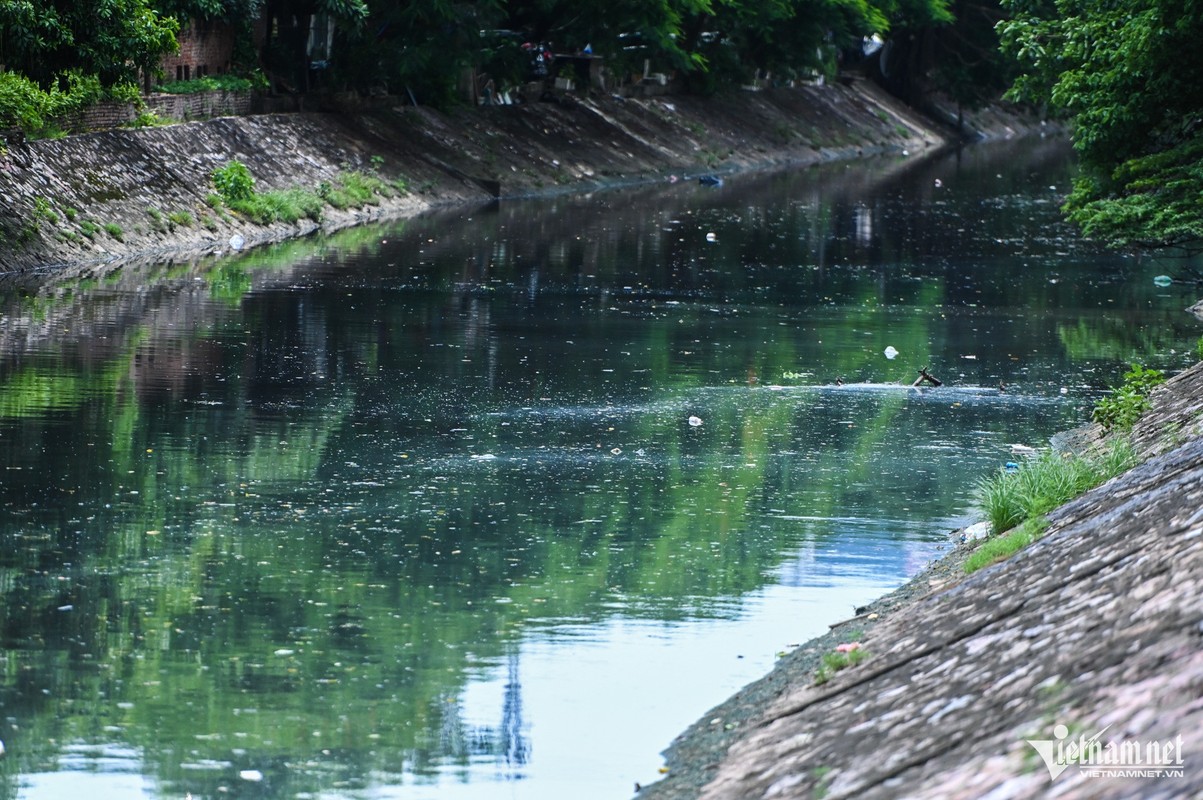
495	502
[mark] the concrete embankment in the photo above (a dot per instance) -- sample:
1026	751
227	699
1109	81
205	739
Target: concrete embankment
124	194
1097	627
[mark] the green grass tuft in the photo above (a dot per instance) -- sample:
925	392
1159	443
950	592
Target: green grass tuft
1047	481
998	548
835	661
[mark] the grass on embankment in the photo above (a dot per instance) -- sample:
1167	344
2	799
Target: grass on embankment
1015	502
236	191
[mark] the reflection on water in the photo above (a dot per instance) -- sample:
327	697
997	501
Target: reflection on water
500	500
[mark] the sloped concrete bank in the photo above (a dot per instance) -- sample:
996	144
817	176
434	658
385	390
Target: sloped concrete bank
124	194
1097	627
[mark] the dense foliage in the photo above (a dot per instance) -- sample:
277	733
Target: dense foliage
420	47
1125	73
112	40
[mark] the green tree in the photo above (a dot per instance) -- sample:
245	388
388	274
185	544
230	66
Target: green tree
1126	74
111	39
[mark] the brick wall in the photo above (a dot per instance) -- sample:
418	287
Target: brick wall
200	106
205	105
205	49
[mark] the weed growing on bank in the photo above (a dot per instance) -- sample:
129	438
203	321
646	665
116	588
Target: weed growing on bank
1017	501
844	656
236	191
1047	481
998	548
1123	407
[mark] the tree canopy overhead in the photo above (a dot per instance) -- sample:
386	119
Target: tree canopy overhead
110	39
1127	74
419	47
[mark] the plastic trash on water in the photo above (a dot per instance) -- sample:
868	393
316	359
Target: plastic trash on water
237	242
695	422
1162	280
891	353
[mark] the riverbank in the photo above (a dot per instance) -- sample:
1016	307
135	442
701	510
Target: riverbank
1096	626
113	196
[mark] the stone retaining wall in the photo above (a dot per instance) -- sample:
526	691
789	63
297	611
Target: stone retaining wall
55	193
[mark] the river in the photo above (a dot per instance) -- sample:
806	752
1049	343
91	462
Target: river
495	502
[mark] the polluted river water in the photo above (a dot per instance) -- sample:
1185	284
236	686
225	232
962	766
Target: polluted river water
495	502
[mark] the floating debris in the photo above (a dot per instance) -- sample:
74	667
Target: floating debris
891	353
695	422
1162	280
927	377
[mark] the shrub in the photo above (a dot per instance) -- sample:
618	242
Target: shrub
147	119
234	183
22	103
114	230
82	91
1126	404
214	83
